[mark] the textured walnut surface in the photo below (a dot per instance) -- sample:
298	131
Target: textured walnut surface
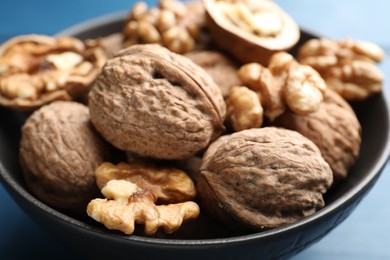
153	102
219	67
59	152
334	128
263	178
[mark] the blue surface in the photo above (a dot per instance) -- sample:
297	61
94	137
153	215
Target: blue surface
364	235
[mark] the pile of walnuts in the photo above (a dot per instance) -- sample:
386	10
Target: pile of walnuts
195	110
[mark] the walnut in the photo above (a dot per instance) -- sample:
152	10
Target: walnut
112	43
250	30
150	101
219	67
59	152
347	66
127	205
172	25
284	83
38	69
334	128
168	184
244	109
263	178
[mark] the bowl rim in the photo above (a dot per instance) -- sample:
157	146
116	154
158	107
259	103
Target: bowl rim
361	187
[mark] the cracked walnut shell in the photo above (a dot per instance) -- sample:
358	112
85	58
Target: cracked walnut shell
250	30
334	128
39	69
153	102
263	178
59	152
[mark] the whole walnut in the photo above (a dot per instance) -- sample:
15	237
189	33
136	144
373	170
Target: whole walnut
59	152
153	102
222	69
263	178
334	128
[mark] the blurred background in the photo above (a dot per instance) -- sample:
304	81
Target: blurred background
364	235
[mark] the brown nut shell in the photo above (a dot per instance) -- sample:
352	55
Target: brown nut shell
153	102
334	128
59	152
263	178
219	67
246	46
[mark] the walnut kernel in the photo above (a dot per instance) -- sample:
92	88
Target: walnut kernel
347	66
126	205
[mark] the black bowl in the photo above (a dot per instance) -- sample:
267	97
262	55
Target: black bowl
91	239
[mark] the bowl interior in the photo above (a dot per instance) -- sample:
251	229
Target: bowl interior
373	115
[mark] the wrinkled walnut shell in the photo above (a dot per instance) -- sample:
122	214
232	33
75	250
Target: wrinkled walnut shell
219	67
59	152
153	102
263	178
26	56
245	46
334	128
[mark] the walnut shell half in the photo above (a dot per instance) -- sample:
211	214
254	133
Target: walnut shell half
153	102
263	178
250	30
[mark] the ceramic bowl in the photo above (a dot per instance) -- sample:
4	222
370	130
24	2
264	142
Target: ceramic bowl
93	240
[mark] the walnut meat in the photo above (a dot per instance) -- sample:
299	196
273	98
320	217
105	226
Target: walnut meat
250	30
174	25
348	66
153	102
38	69
127	205
59	152
263	178
285	83
168	184
334	128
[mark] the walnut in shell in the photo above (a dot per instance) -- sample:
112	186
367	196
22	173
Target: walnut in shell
59	152
263	178
334	128
39	69
219	67
250	30
153	102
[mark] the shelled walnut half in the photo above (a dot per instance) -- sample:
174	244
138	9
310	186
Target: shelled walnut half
126	204
250	30
38	69
168	184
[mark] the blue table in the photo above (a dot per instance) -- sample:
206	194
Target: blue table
364	235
